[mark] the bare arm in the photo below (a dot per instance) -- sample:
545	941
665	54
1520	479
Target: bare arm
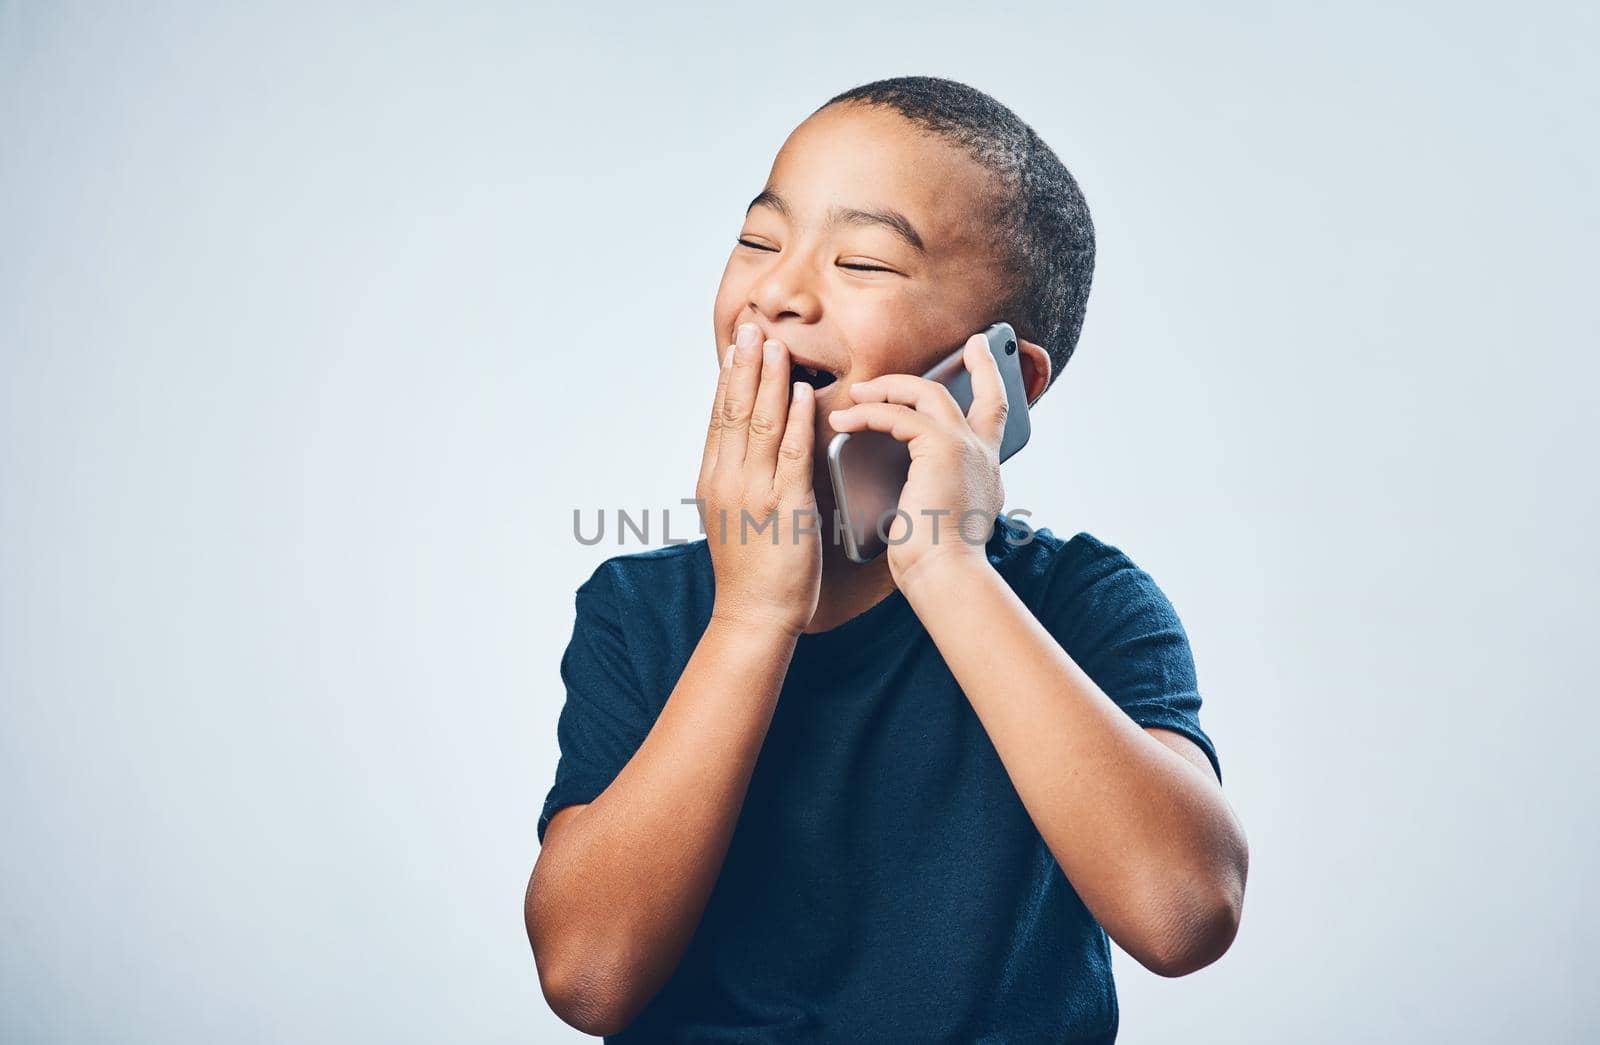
1135	817
621	882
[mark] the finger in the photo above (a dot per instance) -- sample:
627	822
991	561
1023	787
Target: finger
792	479
902	422
708	456
771	409
737	402
987	414
920	393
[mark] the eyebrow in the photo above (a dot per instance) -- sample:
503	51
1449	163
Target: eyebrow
892	220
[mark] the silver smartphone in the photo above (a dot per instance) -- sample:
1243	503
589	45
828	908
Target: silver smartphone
869	468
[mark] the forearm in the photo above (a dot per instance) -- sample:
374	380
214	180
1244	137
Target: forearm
616	898
1147	839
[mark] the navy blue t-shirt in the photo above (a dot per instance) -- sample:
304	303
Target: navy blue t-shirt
884	882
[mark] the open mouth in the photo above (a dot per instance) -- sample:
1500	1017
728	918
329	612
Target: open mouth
814	378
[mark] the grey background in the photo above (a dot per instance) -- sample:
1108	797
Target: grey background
315	325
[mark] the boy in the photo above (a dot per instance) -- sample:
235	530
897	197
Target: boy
803	800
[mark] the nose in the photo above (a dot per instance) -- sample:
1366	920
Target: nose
784	288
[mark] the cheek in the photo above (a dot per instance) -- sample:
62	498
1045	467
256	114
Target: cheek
728	303
884	333
725	309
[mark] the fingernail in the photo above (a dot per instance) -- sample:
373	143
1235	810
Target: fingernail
727	360
798	385
747	335
769	352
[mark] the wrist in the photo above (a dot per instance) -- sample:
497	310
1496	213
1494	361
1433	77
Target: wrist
752	621
943	569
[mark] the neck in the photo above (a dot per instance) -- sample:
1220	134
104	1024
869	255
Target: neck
848	589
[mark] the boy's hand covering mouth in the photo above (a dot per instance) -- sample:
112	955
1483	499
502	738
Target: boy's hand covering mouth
758	507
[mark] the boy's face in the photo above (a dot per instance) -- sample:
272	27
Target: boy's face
808	282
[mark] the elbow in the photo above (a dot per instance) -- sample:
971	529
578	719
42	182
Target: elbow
580	989
1193	941
1197	930
583	999
1197	927
583	991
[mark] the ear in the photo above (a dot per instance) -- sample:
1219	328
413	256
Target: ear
1035	369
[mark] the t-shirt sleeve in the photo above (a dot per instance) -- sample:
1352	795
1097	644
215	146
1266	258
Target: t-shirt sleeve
604	719
1123	631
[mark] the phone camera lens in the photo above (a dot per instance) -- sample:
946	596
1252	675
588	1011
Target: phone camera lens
1011	348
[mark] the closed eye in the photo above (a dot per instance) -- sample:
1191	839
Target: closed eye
858	268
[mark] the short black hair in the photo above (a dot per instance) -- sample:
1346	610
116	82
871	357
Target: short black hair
1040	211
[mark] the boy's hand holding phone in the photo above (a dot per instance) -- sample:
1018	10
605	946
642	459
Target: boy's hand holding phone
758	460
955	457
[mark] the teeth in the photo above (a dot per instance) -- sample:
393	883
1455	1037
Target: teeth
811	375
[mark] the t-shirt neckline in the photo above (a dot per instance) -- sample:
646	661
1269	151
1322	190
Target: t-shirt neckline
891	617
